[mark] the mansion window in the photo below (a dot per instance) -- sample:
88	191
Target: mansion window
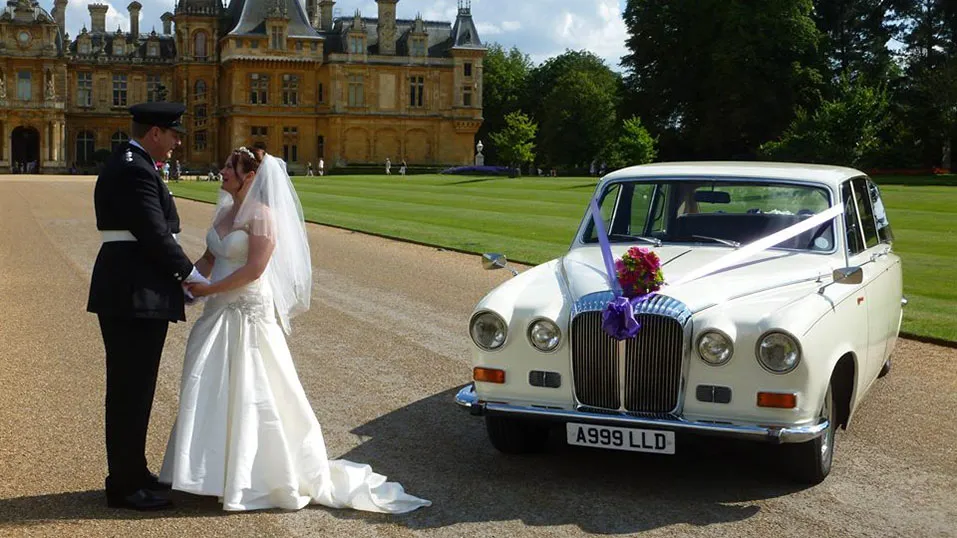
199	141
417	92
119	90
199	93
199	46
418	47
277	41
320	97
119	137
119	49
153	83
357	44
153	50
299	45
467	96
83	47
467	69
84	89
290	90
290	152
258	131
258	88
356	90
24	85
199	115
254	44
84	147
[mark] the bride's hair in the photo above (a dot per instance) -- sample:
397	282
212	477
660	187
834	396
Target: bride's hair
248	159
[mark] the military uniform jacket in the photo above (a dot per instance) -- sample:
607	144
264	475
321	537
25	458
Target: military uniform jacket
142	278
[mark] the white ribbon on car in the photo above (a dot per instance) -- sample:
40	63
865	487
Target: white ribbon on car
760	245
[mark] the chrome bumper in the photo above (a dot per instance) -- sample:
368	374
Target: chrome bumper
773	434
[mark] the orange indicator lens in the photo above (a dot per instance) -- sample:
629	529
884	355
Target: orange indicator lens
777	399
489	375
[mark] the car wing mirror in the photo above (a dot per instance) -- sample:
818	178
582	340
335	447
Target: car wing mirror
848	275
492	261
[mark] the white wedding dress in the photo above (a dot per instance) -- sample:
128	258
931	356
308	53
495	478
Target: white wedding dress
245	431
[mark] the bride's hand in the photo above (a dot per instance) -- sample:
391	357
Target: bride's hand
198	289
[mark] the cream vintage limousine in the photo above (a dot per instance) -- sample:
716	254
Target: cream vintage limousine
780	306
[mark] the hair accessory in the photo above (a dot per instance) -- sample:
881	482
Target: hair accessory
244	149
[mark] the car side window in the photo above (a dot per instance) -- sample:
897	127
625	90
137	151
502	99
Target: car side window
855	243
884	232
866	211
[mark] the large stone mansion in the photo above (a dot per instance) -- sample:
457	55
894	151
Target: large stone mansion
350	90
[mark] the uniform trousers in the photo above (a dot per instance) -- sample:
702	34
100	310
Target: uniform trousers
133	350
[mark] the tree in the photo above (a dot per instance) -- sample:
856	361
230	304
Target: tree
635	145
516	140
855	36
574	98
845	131
504	86
716	78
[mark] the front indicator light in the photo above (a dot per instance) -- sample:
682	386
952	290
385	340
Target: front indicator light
779	400
488	375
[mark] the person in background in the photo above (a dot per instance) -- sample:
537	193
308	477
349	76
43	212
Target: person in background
388	167
322	167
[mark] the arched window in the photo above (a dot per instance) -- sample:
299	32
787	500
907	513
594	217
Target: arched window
84	147
200	90
118	138
199	45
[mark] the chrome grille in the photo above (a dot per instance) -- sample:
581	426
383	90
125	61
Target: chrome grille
653	360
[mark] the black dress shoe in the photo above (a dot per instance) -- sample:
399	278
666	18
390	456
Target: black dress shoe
141	499
153	484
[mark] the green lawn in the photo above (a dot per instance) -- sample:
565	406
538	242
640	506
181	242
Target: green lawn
532	220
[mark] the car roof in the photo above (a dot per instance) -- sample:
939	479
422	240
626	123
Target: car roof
832	176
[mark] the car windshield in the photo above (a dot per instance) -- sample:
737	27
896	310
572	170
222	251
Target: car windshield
722	213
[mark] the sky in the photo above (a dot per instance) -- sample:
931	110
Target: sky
539	28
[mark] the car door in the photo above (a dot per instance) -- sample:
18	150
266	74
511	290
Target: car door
875	260
891	280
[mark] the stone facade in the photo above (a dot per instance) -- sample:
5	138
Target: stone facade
351	90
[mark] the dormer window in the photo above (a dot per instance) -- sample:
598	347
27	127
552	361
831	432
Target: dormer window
153	50
119	49
277	39
357	44
417	47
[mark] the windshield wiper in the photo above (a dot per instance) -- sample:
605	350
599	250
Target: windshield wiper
653	240
728	242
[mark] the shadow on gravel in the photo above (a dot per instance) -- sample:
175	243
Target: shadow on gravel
91	504
439	452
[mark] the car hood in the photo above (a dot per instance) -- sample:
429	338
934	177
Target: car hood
584	271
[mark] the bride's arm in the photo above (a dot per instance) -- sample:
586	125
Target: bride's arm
260	249
205	263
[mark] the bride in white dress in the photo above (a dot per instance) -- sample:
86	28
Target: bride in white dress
245	432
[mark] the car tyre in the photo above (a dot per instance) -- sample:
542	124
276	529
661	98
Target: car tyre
516	436
886	369
811	461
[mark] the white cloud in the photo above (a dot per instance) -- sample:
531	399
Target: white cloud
78	16
511	26
486	29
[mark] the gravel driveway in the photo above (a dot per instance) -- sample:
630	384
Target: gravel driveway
381	354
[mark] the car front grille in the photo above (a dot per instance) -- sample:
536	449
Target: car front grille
644	371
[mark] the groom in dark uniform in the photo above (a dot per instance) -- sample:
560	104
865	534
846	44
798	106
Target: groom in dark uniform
136	290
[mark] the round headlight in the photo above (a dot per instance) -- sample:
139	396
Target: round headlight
488	330
779	352
715	348
544	335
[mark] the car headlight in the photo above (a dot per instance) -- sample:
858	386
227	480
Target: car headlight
715	348
779	352
488	330
544	334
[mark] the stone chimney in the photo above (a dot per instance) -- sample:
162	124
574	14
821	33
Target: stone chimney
59	15
386	28
325	14
134	9
312	12
167	19
98	17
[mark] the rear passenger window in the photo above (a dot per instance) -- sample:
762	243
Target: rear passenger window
855	242
884	232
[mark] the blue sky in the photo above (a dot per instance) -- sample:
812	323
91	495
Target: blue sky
540	28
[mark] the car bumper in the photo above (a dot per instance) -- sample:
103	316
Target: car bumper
467	398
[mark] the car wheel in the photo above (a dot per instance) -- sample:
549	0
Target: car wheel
812	459
515	436
886	369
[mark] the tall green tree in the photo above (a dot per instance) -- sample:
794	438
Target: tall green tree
716	78
515	142
635	144
855	36
504	88
574	97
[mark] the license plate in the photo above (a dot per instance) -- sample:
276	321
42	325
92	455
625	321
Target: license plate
633	439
